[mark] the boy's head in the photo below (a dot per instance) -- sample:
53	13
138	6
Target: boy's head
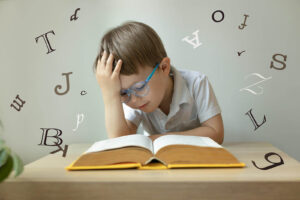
140	49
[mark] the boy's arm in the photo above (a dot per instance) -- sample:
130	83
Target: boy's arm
109	82
208	110
212	128
115	122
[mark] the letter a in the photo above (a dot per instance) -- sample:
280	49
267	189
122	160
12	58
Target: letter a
195	41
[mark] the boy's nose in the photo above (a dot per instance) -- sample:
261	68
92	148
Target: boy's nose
134	98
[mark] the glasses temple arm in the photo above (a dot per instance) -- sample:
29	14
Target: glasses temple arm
152	73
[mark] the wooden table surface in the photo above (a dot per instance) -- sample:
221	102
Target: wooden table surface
46	178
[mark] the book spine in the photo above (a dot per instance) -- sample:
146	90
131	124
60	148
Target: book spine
155	158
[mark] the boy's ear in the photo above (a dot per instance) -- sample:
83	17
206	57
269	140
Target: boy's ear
165	65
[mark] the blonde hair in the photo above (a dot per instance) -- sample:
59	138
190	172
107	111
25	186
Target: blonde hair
135	43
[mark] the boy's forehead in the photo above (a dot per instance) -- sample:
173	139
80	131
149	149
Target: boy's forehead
129	80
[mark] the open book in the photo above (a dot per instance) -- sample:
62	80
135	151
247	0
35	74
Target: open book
169	151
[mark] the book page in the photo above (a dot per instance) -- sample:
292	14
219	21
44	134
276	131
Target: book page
122	141
183	139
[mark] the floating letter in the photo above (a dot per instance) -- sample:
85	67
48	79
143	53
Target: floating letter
213	15
59	86
61	149
267	158
251	91
79	120
195	41
19	106
254	121
274	58
74	17
45	136
45	37
242	26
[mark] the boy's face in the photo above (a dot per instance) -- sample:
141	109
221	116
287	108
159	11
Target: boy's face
157	86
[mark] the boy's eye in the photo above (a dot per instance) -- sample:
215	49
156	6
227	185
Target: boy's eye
139	87
123	93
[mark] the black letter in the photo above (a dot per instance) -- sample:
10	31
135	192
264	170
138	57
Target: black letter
58	131
267	158
213	15
45	37
254	121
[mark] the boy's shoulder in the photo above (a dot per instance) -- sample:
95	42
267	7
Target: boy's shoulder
191	76
195	81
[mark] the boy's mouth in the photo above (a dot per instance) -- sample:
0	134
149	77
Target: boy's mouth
144	105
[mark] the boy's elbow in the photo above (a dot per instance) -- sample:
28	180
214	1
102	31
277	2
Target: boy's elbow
221	141
221	137
221	134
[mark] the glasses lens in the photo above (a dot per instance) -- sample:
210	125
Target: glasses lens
141	88
125	97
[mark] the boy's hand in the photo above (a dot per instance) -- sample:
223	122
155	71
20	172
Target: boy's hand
108	81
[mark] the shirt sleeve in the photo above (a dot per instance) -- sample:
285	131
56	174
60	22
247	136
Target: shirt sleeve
133	115
206	101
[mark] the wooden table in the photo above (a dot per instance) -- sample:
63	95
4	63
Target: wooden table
46	178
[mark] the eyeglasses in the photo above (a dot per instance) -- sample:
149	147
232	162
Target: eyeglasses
139	89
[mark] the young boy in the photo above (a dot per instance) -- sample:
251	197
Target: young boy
139	84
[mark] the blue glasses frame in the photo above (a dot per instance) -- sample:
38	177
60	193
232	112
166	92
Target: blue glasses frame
133	89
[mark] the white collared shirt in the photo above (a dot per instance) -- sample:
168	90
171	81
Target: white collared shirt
193	102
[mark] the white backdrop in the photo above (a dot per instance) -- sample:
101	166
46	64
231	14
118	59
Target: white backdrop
26	69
